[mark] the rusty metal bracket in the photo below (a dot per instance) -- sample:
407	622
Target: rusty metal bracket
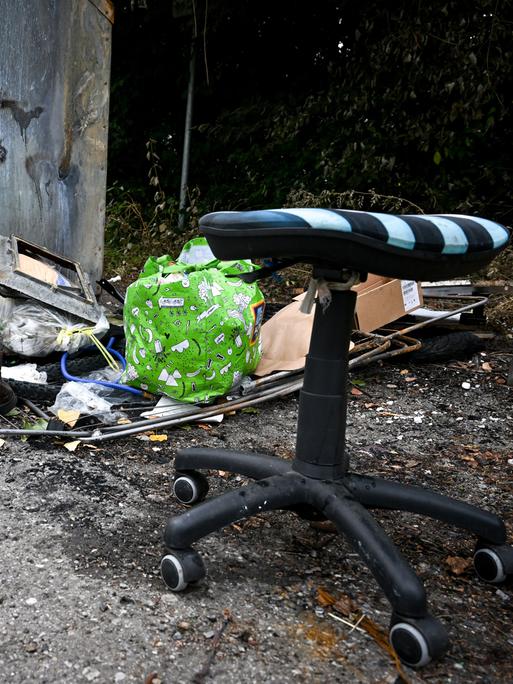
78	299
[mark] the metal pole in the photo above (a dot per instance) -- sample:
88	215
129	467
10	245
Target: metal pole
187	140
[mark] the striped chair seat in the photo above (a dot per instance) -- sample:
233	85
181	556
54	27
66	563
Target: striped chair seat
427	247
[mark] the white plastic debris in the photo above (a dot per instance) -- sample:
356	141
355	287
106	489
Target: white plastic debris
26	372
82	397
466	385
167	407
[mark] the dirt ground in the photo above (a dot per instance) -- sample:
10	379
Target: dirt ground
81	598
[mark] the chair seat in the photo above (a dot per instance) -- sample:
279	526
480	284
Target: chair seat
417	247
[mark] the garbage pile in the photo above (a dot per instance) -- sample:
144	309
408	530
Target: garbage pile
190	334
188	345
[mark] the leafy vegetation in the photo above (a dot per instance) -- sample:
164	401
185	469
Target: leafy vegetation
401	107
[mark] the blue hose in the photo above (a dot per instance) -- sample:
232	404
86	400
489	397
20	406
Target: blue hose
104	383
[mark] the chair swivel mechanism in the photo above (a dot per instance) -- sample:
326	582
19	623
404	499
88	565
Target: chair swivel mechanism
342	246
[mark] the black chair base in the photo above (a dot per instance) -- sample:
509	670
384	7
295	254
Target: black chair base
416	636
319	482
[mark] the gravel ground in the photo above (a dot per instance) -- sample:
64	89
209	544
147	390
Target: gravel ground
81	598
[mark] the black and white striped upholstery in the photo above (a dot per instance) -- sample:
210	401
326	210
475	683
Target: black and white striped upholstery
401	246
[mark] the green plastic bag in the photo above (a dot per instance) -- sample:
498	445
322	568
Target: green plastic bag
191	332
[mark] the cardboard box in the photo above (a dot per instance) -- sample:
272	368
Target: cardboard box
286	336
37	269
383	300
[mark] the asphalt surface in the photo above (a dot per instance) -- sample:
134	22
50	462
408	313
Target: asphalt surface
81	599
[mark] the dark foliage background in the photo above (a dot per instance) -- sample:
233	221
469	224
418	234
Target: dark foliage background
394	105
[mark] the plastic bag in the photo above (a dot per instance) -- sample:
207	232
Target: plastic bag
85	398
34	330
26	372
6	306
192	332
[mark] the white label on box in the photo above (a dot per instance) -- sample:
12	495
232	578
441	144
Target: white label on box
410	294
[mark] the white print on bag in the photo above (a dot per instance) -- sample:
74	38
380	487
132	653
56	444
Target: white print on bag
170	302
225	369
242	301
181	346
169	378
237	314
208	312
170	278
219	338
203	290
206	289
148	332
238	341
248	327
158	346
131	373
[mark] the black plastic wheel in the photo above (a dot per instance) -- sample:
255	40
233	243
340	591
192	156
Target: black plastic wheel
493	563
418	641
181	567
190	487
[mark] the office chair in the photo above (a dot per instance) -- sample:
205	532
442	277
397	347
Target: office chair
343	246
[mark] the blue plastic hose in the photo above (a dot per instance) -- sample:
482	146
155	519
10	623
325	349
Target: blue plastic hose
104	383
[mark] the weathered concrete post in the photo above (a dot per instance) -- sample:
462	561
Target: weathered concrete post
54	100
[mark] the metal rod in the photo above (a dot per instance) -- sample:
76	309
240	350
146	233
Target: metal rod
35	409
447	314
187	139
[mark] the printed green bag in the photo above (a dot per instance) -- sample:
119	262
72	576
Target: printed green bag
191	332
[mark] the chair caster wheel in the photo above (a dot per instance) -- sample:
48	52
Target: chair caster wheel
181	567
493	563
417	641
190	487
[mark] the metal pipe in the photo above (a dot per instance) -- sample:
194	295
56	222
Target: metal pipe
187	139
35	409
